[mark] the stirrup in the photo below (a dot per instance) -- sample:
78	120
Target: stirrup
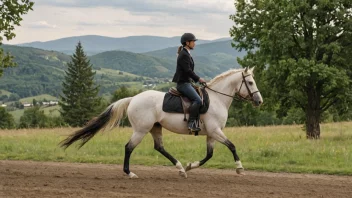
194	129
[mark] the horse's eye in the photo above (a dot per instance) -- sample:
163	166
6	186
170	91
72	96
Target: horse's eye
250	83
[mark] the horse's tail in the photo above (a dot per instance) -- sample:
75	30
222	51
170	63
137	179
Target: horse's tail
110	118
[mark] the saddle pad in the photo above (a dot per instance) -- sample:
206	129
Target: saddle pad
173	104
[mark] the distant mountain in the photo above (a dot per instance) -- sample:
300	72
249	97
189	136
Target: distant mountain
42	72
94	44
138	64
201	50
211	59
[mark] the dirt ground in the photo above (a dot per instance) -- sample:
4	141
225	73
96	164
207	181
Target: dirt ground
50	179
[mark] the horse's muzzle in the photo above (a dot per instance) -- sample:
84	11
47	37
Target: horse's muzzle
257	99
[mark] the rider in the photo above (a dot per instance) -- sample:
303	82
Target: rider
183	76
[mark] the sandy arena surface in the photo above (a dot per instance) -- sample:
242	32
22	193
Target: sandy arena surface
51	179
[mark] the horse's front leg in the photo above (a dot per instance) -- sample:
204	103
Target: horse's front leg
210	148
219	135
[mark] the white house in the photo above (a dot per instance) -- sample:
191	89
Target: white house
53	102
27	104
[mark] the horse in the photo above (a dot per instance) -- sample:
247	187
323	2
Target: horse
145	114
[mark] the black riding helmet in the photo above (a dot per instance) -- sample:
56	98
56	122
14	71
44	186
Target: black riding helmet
187	37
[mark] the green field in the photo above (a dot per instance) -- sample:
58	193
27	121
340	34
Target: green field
115	73
39	98
52	111
277	148
4	92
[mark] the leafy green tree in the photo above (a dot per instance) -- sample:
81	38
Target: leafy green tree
122	92
80	101
33	118
35	103
302	49
10	16
14	97
6	119
36	118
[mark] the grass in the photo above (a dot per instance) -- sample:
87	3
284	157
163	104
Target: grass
115	73
4	92
274	148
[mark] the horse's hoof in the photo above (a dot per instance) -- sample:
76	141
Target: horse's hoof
189	167
132	176
182	174
240	171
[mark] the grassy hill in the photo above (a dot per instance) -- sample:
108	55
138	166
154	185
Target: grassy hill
4	92
42	72
39	98
139	64
37	72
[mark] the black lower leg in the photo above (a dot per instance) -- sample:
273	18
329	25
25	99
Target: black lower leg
232	148
209	155
126	164
161	149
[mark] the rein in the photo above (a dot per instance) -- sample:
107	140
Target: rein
237	96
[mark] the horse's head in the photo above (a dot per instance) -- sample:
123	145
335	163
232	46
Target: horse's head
248	88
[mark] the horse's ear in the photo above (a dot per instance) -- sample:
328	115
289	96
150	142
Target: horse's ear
252	69
246	70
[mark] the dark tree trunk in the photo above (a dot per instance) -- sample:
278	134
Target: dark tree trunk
313	125
313	114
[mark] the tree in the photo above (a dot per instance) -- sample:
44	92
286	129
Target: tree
80	101
302	49
35	103
33	118
10	16
6	119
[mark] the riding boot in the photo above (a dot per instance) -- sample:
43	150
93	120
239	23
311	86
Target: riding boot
193	117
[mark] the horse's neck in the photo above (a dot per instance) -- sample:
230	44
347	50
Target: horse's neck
228	85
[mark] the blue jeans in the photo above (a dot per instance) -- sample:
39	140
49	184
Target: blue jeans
187	90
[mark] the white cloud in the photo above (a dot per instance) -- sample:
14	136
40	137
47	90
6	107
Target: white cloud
166	6
207	19
41	24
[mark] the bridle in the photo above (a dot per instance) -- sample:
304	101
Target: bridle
237	96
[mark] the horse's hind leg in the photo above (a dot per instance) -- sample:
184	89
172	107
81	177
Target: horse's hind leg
134	141
158	145
210	148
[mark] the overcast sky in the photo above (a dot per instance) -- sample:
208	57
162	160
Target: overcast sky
53	19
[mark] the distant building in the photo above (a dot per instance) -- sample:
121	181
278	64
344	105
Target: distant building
53	102
27	105
3	105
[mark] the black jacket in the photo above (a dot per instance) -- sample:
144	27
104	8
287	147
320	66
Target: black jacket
185	67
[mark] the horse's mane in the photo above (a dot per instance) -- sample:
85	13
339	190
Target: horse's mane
223	75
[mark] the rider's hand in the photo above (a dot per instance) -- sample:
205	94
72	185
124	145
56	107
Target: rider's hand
201	80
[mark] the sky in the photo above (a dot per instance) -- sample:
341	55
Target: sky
54	19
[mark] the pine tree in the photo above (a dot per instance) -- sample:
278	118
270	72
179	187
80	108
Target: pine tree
80	100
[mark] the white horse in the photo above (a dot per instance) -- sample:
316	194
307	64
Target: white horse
146	115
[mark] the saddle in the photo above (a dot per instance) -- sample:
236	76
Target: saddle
175	102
